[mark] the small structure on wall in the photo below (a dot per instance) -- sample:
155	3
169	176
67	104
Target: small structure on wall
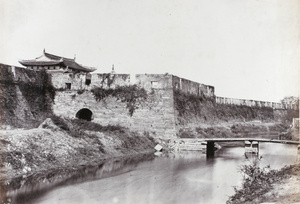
52	62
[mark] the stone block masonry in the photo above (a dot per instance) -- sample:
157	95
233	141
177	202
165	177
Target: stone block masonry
83	81
154	116
165	81
25	97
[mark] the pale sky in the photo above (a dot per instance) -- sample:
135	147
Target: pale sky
244	48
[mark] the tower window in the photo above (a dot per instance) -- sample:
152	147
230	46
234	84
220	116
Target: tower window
88	79
87	82
68	86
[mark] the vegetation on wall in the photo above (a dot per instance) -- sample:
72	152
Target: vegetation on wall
26	90
40	91
290	114
189	102
189	105
131	95
231	111
110	78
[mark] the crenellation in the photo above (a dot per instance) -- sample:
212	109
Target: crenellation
253	103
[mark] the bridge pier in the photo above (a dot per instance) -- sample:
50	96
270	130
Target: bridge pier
210	149
252	147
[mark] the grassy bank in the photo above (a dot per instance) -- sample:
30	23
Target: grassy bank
65	143
266	185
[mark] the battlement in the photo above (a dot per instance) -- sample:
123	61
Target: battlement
253	103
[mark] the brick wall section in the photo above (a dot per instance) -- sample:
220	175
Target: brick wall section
154	81
155	115
24	100
158	110
108	80
78	81
168	81
192	87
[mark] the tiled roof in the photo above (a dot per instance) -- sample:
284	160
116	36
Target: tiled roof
55	57
39	63
50	59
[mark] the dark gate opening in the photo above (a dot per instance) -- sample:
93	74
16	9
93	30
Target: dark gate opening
85	114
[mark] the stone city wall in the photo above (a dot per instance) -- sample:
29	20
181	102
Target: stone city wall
82	81
154	81
25	97
163	81
154	116
191	87
253	103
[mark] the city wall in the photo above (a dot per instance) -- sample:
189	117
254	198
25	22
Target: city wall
25	97
157	115
154	116
71	81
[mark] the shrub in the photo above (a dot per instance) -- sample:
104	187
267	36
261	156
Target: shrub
58	121
87	125
256	181
184	102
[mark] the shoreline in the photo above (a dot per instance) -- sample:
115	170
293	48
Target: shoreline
58	152
34	151
282	186
43	181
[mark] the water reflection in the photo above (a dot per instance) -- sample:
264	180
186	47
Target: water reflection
187	177
26	190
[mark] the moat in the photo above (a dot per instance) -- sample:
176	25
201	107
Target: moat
185	177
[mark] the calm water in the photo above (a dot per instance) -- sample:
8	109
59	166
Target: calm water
187	177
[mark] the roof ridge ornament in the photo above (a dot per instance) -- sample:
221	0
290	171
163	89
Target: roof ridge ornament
113	69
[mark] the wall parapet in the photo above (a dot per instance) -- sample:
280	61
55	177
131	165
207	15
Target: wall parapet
253	103
168	81
87	81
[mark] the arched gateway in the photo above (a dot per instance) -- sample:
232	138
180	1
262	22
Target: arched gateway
85	114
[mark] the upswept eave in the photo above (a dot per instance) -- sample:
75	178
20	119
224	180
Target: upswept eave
75	65
48	59
39	63
56	57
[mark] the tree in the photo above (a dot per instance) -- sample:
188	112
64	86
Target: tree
291	101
